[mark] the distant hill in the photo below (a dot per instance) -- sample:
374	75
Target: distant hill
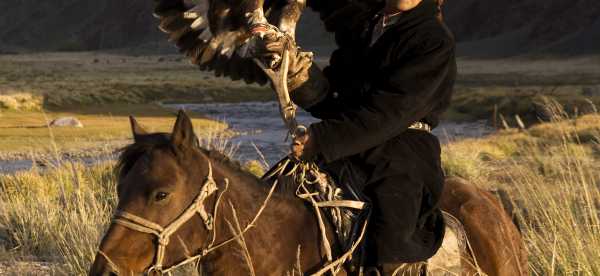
76	24
516	27
483	28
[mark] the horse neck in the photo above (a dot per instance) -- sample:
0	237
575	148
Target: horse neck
284	223
245	196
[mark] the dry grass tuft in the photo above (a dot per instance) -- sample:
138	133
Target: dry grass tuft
23	101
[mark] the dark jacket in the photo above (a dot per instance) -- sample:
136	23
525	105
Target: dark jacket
376	92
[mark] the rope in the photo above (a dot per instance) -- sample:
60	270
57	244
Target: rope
111	264
301	173
211	248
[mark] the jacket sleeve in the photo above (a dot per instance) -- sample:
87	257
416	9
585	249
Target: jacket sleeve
409	94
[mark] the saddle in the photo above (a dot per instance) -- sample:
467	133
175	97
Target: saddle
337	201
343	207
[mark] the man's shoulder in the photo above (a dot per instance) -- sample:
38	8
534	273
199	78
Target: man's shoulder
428	35
435	29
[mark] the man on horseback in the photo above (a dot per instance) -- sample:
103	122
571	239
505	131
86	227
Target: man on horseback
385	89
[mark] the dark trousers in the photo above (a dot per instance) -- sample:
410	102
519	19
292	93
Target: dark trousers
403	179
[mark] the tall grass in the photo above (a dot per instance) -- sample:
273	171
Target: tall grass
552	172
58	215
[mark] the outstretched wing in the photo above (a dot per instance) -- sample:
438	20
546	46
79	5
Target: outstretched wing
212	34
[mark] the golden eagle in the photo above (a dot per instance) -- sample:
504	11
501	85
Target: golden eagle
217	34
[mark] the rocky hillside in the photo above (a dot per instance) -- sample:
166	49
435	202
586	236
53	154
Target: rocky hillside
75	24
483	28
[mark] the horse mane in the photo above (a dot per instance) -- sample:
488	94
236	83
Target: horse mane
131	153
285	188
144	144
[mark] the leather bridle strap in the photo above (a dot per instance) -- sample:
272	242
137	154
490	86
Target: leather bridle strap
163	234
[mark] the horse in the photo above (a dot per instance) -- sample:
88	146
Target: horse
179	203
164	176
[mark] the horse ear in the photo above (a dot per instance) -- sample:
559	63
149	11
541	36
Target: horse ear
136	129
183	131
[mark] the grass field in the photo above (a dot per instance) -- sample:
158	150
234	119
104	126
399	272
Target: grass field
26	133
67	79
101	90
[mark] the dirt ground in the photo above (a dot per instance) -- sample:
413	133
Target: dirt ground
13	268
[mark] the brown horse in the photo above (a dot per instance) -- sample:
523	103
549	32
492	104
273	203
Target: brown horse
180	203
164	176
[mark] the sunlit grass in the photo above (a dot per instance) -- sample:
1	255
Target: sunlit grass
26	132
552	172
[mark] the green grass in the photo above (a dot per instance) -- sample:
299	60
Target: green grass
23	133
101	90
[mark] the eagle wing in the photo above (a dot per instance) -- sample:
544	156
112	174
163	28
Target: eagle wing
214	34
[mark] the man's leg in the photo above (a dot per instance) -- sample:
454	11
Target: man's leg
404	187
396	202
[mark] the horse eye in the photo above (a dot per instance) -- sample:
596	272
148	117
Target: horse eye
160	196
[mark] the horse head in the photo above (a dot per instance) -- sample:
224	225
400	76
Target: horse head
165	193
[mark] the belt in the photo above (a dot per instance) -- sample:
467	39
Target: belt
420	126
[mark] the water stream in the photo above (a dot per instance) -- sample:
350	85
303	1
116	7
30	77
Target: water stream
262	132
262	127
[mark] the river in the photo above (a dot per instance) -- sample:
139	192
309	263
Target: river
261	131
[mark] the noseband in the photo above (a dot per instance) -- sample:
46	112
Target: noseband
163	234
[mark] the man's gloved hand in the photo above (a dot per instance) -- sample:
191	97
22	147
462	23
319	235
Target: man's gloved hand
304	147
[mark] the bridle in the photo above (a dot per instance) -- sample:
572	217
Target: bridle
163	234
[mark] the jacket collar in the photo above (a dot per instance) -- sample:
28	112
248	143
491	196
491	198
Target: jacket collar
425	10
